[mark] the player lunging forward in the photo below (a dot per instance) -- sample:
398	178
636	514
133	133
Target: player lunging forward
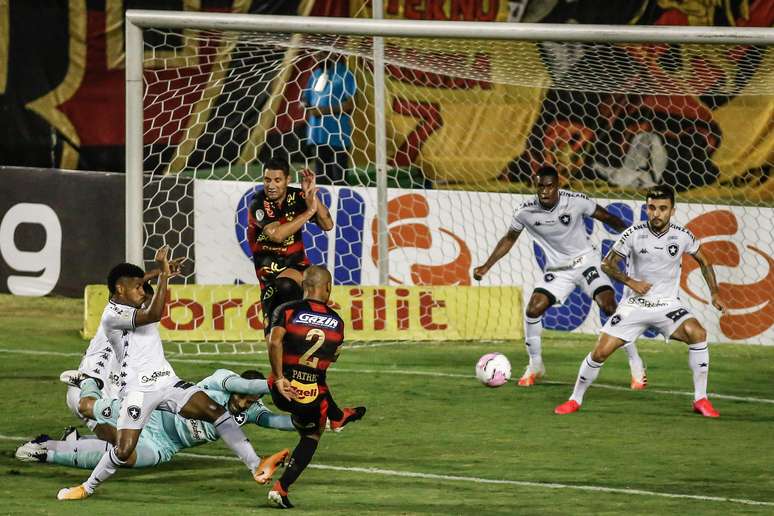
554	219
148	381
305	339
275	220
654	252
166	433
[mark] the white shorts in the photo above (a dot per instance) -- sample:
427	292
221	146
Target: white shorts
137	406
635	315
557	285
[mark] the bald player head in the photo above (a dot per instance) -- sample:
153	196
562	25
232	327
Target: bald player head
317	283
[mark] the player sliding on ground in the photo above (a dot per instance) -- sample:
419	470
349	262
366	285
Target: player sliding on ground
654	252
148	381
165	434
554	219
305	339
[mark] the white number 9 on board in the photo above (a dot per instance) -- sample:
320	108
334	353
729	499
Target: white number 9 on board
46	262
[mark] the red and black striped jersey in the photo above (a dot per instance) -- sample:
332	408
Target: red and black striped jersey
263	212
313	338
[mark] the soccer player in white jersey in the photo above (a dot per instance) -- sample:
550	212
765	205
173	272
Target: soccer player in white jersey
654	252
165	434
554	219
148	381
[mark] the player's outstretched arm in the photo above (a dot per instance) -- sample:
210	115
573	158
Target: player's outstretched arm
611	267
604	216
322	217
501	249
709	276
228	381
268	419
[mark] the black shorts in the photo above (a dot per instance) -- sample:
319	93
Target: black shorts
269	265
307	418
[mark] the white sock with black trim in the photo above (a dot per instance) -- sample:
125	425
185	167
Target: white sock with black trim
698	359
636	365
588	372
533	329
106	466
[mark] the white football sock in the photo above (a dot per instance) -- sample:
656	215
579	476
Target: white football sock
588	372
235	438
698	359
533	328
106	466
635	362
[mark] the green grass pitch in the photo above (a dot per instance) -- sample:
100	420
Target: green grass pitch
434	441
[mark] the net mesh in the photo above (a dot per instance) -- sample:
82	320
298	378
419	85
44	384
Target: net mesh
468	123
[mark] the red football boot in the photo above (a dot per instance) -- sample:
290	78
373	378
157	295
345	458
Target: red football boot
568	407
705	408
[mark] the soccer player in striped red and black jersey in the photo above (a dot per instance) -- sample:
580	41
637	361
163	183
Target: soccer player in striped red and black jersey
305	339
276	217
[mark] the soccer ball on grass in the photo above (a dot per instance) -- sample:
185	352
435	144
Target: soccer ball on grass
493	369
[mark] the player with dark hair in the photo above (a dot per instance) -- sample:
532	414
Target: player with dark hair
653	251
276	217
165	434
554	219
306	337
148	381
98	374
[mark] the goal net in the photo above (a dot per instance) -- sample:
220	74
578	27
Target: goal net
467	123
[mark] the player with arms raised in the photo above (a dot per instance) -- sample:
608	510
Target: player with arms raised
148	381
276	217
305	339
654	252
554	219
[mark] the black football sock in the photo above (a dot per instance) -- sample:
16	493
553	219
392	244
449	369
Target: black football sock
300	459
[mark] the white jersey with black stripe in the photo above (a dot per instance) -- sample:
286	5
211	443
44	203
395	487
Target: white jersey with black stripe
560	231
100	361
656	258
139	350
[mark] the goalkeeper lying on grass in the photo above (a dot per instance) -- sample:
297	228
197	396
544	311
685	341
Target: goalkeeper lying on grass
166	433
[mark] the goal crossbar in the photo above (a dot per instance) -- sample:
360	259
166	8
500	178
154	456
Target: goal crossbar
450	29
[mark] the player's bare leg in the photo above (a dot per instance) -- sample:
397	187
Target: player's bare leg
588	372
533	329
692	333
86	406
302	456
202	407
606	302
